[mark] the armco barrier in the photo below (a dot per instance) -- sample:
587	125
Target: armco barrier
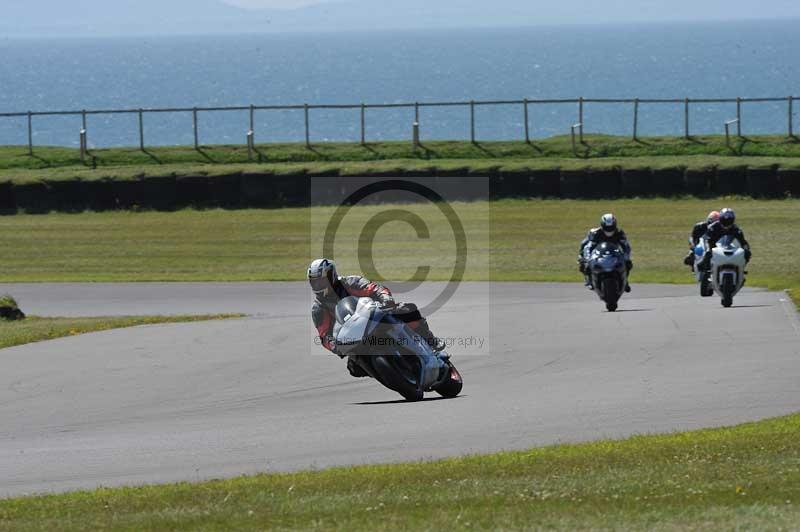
192	191
762	182
128	193
100	195
159	193
731	181
667	181
699	181
545	183
7	202
636	182
256	189
573	183
789	181
511	184
34	198
225	190
69	196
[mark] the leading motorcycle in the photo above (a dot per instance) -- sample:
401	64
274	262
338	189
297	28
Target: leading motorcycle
606	266
387	349
728	263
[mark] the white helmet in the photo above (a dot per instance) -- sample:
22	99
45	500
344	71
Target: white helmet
322	277
608	223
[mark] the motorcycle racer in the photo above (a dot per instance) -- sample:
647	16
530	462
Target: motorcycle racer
698	231
329	288
726	225
608	231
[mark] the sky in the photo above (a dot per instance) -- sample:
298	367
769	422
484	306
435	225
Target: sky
159	17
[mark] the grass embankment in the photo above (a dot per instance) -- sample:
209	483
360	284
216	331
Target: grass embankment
745	477
509	240
598	151
35	329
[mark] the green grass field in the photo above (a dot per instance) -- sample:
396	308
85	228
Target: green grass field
740	478
35	329
598	151
509	240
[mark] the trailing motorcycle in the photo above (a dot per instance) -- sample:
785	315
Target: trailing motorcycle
605	264
703	277
388	351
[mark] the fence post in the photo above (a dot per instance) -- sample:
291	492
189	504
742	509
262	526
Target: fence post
580	116
791	117
308	132
141	129
739	116
527	123
415	126
83	136
30	133
686	119
472	121
194	128
363	125
636	119
251	134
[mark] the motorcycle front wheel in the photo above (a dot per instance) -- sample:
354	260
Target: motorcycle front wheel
453	383
611	294
727	289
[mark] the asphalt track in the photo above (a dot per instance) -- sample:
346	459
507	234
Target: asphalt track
207	400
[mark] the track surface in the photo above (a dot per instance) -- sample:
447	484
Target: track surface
207	400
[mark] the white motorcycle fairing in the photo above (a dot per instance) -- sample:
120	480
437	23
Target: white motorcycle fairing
728	265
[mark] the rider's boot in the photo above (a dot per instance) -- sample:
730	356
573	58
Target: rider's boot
424	331
627	286
588	282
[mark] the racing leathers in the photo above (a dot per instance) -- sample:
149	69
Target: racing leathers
324	308
717	231
597	236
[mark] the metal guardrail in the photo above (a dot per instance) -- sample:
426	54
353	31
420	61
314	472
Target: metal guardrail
472	105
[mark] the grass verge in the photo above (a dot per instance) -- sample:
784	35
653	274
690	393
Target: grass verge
35	329
597	151
744	477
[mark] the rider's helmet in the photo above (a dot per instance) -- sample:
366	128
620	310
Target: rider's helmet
727	218
608	223
713	216
322	277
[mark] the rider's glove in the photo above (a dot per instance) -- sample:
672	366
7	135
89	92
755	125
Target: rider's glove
388	304
747	255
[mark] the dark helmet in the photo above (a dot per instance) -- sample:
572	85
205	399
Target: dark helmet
608	223
727	218
322	277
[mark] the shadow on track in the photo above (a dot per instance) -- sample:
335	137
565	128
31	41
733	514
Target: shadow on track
403	401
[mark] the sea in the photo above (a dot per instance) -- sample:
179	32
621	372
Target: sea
676	60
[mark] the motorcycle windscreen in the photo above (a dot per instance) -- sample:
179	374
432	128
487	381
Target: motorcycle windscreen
728	241
357	327
608	263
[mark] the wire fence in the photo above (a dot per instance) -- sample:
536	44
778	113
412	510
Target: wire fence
575	129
